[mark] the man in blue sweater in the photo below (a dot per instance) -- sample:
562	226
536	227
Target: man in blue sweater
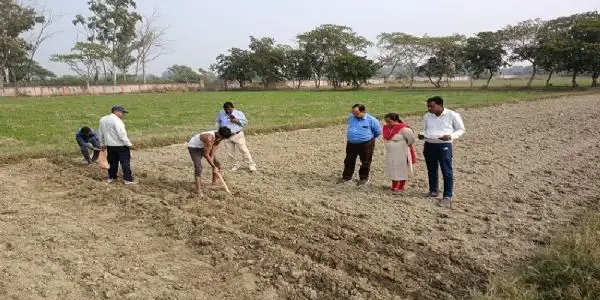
363	130
87	139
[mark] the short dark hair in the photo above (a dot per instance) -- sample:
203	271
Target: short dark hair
436	99
227	105
225	132
86	130
393	117
361	107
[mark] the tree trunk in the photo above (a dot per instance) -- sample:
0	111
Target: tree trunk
7	75
437	82
114	74
299	83
595	78
532	77
412	80
487	85
104	71
385	79
471	80
432	82
144	72
317	81
574	79
549	77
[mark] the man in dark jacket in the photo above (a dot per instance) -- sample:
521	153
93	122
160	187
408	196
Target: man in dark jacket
86	139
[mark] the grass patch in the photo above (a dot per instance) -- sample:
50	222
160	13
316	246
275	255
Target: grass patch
39	127
569	268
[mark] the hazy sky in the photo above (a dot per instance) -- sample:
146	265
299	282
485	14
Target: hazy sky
200	30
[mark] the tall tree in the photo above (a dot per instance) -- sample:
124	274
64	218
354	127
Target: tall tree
83	59
112	24
524	44
354	69
484	52
587	31
15	20
296	65
446	58
266	60
564	42
235	66
150	43
403	50
326	42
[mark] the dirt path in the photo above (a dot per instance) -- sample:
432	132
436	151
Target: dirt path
522	172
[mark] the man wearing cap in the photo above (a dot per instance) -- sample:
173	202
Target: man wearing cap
113	136
235	120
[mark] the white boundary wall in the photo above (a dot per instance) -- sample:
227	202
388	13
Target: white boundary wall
97	89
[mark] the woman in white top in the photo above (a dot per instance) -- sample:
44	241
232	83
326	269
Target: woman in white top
205	145
399	152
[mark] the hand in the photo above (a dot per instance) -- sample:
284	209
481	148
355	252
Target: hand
421	137
446	138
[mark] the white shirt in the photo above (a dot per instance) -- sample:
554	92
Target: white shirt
448	123
111	131
196	142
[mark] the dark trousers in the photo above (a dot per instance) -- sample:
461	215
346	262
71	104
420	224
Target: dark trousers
83	147
439	156
365	152
116	155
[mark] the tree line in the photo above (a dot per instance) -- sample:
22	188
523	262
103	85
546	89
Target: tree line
336	53
117	39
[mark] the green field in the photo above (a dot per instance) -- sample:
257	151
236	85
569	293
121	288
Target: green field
38	127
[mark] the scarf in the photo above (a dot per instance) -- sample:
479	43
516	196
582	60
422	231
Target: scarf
390	131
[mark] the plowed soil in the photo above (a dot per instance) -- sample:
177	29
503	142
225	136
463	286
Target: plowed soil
523	171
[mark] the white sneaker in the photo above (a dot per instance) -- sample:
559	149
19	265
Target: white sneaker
129	182
252	168
110	180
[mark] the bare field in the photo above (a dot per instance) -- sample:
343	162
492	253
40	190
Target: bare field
523	171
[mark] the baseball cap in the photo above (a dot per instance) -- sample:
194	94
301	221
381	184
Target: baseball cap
119	108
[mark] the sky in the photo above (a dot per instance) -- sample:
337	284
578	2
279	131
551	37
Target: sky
198	31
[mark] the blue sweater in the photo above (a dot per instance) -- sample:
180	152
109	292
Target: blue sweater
362	130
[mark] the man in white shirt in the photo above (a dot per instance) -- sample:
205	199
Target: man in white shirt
113	137
440	127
